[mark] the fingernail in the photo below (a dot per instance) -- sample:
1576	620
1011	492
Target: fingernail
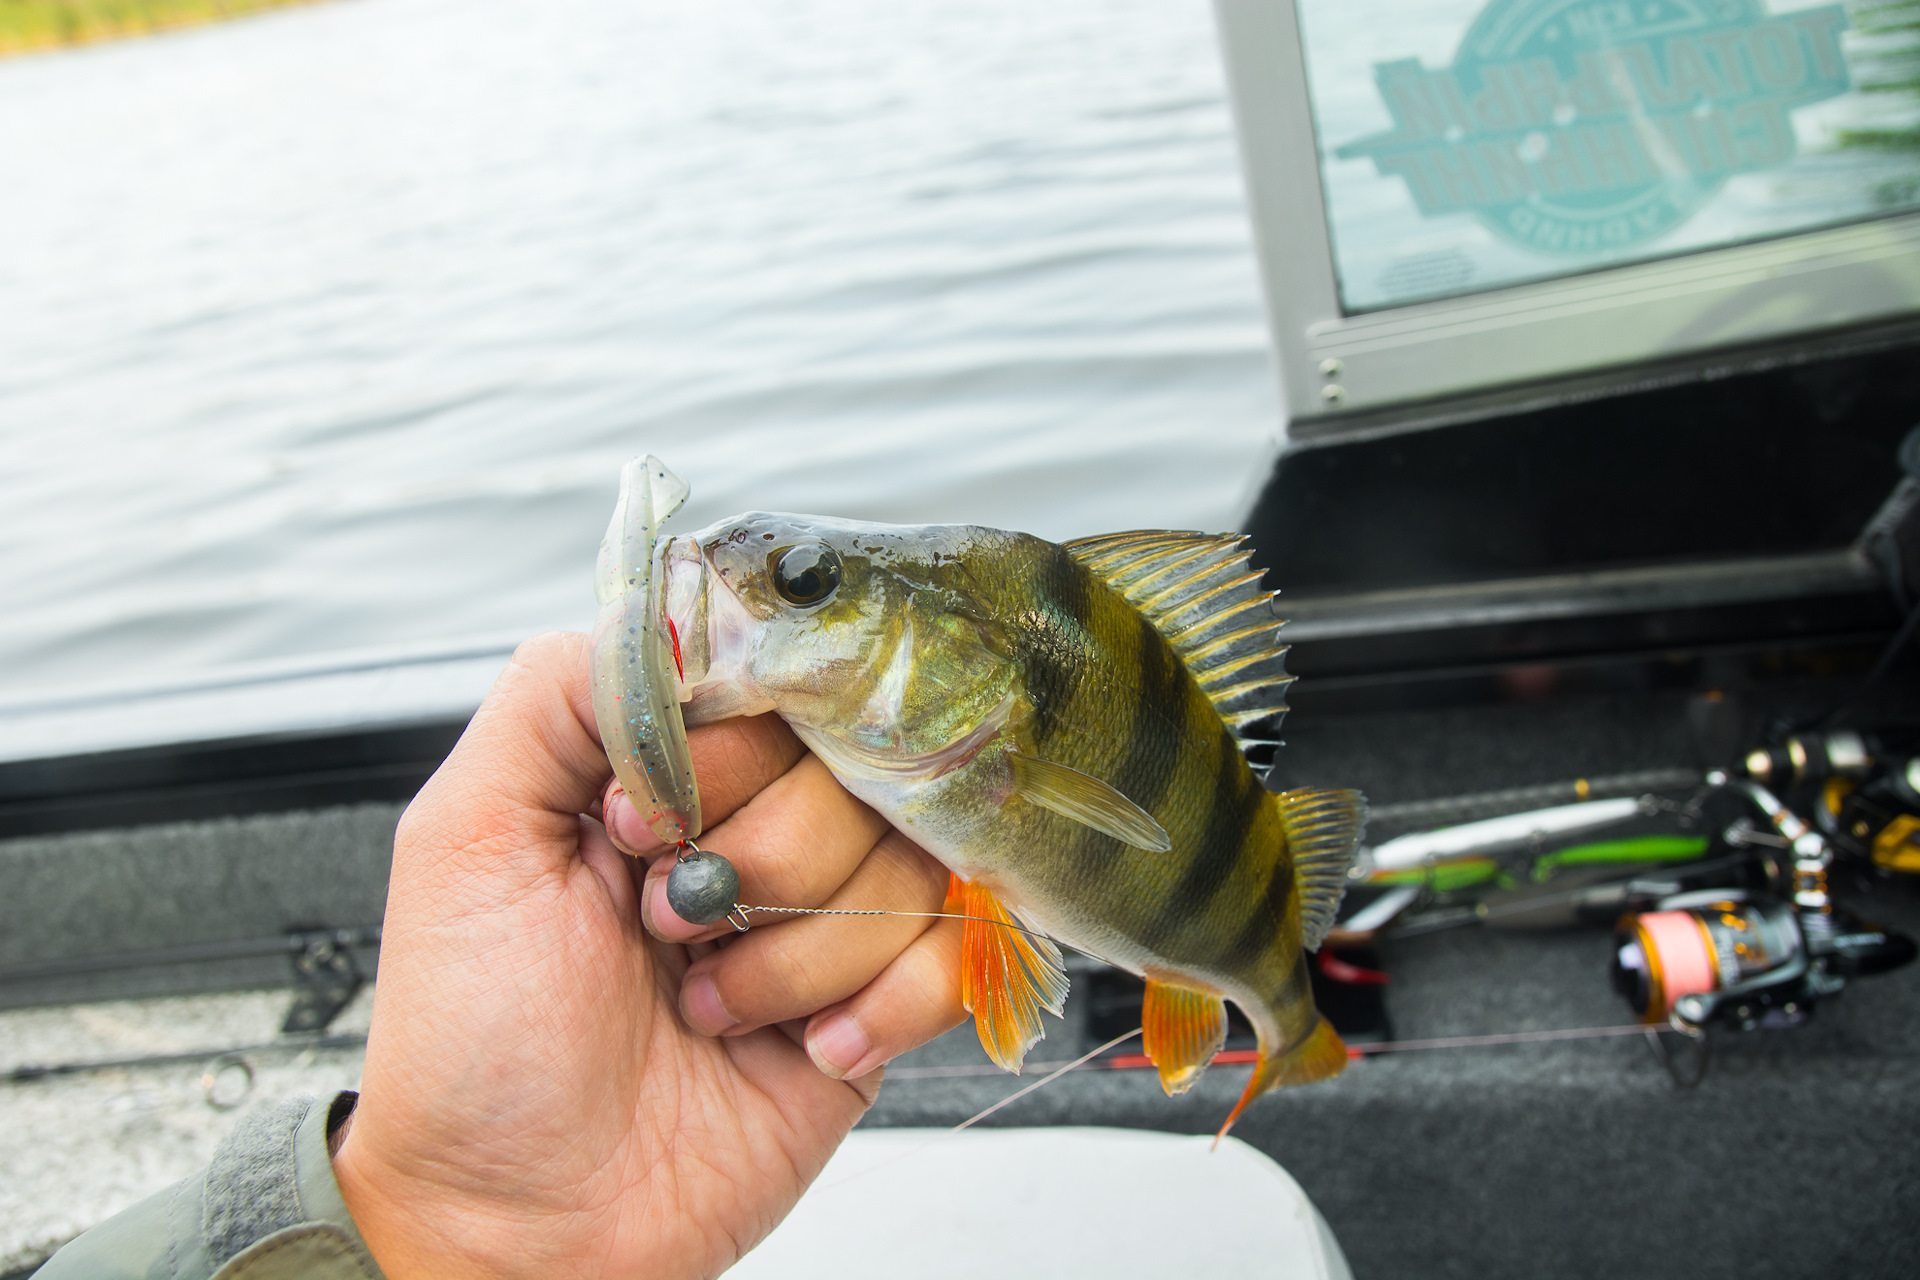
660	917
629	834
700	1006
838	1045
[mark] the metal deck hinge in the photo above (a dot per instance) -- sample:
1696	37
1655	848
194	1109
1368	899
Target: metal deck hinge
325	980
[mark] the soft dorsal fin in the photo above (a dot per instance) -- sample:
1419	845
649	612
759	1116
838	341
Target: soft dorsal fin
1198	592
1323	831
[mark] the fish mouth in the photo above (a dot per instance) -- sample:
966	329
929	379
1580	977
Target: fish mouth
712	632
680	601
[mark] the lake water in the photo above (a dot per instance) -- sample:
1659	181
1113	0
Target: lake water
329	329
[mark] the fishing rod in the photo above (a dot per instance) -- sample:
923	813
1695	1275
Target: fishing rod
1616	895
1747	940
703	887
291	943
1511	799
217	1077
326	977
31	1071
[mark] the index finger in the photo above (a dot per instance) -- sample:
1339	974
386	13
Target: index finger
733	762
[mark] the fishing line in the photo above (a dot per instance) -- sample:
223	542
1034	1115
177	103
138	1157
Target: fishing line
1007	1101
1012	1098
720	875
1239	1057
737	913
1229	1057
743	908
1507	1037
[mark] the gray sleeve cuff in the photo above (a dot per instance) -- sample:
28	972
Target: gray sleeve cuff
267	1208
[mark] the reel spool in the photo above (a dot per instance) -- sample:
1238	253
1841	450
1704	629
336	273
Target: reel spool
1717	956
1691	961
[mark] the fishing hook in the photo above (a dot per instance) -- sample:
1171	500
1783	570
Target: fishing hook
737	913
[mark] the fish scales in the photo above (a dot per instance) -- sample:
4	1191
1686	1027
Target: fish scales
1060	726
1127	711
1220	901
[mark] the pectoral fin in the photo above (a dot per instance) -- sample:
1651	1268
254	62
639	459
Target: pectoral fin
1084	798
1006	976
1181	1030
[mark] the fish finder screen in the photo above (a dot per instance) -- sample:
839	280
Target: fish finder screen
1471	144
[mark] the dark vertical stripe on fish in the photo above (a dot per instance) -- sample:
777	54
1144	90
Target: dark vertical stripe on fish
1236	801
1264	921
1158	724
1152	734
1055	656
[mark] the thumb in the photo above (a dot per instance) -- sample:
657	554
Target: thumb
529	763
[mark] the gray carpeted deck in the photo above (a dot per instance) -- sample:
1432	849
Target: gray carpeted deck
1797	1157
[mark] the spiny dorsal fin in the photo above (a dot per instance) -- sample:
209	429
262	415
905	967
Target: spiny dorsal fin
1323	831
1198	592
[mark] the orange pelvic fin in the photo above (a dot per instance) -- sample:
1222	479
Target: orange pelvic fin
1321	1056
1006	976
1181	1030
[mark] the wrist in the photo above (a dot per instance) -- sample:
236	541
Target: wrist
409	1224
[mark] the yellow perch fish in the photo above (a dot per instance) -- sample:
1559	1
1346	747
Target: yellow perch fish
1066	727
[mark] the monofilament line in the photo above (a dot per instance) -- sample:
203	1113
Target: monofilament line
1012	1098
1391	1046
1241	1057
743	908
1007	1101
1510	1037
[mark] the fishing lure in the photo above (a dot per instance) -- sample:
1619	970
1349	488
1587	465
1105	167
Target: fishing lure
1072	729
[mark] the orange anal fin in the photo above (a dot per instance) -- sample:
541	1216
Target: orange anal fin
1181	1030
1006	976
1321	1056
956	894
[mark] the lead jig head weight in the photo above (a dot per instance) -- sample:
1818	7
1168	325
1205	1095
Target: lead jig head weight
703	887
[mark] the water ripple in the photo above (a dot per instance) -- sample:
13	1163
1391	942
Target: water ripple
343	347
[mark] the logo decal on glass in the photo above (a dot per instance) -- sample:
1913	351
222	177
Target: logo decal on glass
1580	127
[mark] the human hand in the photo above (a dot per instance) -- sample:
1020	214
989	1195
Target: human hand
551	1091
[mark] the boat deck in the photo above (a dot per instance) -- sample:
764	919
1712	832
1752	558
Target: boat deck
1560	1158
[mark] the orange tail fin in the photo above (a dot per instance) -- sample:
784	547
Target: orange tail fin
1321	1056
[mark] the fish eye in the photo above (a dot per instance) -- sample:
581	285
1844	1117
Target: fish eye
806	574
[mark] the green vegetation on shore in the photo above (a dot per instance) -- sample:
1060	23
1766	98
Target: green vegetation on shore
27	25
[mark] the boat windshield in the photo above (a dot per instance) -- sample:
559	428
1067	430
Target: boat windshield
1466	145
